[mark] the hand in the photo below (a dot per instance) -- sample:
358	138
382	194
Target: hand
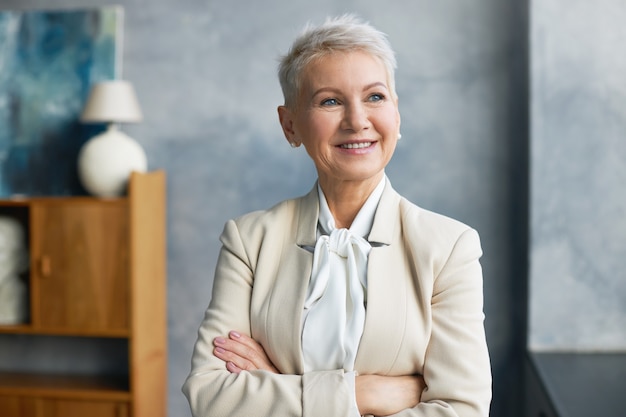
242	353
384	395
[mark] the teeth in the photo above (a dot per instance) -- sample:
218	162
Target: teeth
356	145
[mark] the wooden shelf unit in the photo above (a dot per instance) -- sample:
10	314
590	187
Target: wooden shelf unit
97	270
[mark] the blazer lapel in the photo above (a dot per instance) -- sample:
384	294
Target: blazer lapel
292	280
386	289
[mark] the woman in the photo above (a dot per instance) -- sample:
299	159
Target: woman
349	300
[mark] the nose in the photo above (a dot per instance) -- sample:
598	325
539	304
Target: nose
355	117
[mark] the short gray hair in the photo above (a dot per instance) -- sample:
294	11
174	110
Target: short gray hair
345	33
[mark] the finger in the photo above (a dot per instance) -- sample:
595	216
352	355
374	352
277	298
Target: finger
238	348
247	353
232	368
258	355
246	341
236	362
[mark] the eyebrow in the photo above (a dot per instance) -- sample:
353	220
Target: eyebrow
367	87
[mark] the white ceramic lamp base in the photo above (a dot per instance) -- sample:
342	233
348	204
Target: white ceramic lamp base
106	161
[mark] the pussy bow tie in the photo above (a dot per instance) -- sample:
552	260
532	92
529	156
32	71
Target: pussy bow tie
335	301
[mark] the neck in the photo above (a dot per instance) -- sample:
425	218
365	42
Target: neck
111	126
345	198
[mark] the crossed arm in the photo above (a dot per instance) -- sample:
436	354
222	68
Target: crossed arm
375	394
457	368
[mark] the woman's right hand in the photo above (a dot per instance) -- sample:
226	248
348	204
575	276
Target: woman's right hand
242	353
384	395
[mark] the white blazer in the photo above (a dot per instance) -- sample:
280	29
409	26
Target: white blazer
424	314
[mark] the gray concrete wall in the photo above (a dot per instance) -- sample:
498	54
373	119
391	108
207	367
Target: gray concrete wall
205	73
578	160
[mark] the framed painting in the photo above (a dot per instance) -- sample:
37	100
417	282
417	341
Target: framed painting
48	61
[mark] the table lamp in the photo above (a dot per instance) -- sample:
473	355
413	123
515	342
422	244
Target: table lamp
106	160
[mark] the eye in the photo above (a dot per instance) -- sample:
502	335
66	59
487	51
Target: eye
375	97
330	102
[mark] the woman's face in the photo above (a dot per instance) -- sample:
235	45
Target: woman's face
346	117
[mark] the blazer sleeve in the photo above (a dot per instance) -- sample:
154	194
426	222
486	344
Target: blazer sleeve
457	369
212	391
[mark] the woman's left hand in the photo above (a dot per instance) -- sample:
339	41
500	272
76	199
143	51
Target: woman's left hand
242	353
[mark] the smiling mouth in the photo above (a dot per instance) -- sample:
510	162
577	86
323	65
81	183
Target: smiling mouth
356	145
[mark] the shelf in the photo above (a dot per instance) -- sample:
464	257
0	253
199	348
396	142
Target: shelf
26	200
94	342
65	386
28	329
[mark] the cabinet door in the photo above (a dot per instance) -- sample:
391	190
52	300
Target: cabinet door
80	271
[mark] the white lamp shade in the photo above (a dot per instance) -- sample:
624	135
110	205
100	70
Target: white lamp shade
112	102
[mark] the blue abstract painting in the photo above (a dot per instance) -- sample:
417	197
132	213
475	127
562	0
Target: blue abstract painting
48	61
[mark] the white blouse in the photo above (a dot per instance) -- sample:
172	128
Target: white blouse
334	309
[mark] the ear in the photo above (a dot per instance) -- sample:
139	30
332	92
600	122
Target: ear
286	118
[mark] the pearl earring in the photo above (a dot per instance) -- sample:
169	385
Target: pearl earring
293	144
399	136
